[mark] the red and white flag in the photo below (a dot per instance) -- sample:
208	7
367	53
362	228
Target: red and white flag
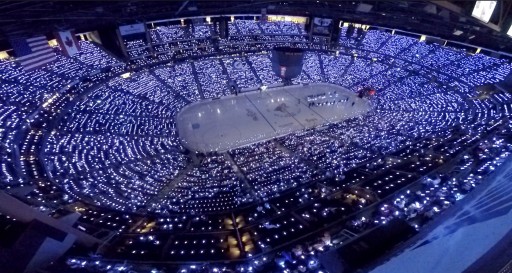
283	71
67	42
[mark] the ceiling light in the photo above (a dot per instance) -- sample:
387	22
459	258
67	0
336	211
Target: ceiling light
483	10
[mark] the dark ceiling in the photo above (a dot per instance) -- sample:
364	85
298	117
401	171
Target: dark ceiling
437	18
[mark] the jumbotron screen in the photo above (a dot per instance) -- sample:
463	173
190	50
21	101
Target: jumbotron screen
322	26
483	10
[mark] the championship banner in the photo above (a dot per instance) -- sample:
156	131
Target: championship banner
131	29
263	15
67	42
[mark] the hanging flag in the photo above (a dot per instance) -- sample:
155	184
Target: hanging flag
67	42
33	53
283	71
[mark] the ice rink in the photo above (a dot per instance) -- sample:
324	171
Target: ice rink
234	121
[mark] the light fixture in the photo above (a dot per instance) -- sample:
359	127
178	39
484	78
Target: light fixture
483	10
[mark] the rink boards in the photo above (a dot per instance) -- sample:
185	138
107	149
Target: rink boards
235	121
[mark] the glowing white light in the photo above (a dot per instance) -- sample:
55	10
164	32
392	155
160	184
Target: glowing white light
483	10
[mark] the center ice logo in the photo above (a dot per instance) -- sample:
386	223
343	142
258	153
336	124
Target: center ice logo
283	108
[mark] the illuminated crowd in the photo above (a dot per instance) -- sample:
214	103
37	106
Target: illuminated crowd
102	141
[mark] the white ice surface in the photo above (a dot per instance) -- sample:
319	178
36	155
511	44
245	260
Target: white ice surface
234	121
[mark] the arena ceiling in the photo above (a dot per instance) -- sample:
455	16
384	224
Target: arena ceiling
437	18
